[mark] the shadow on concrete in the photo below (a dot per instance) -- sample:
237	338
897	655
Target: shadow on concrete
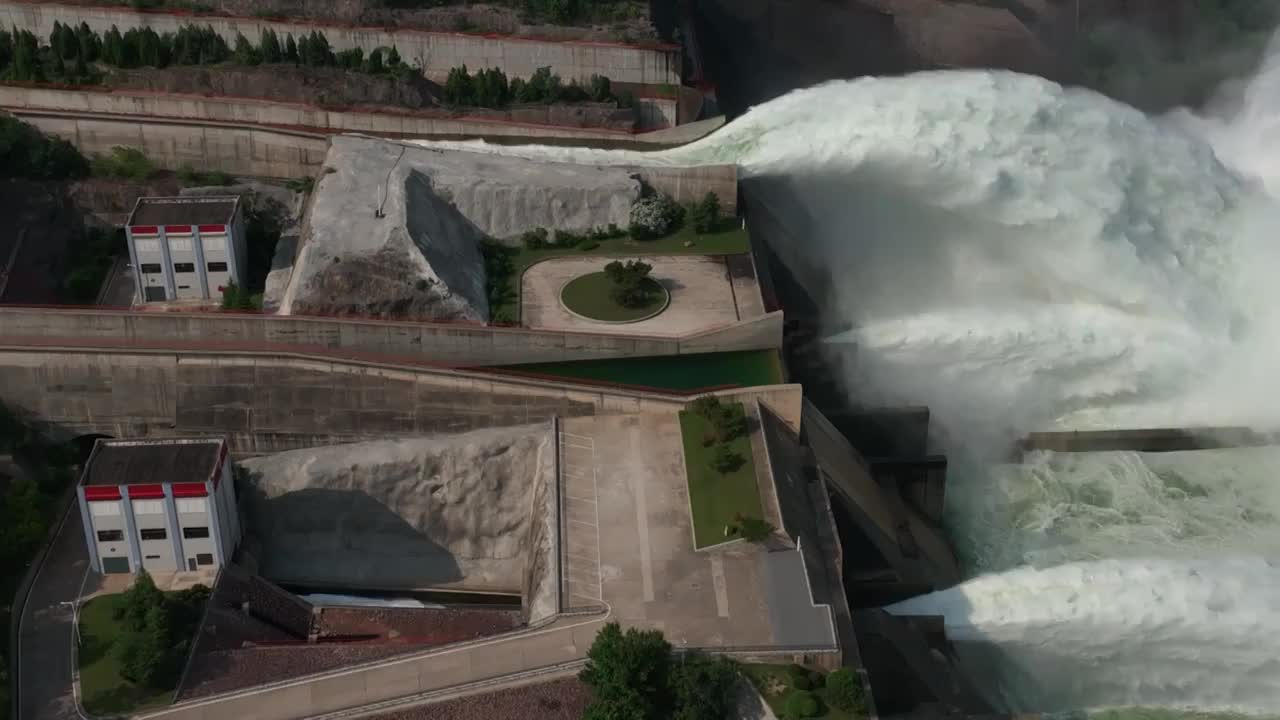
343	538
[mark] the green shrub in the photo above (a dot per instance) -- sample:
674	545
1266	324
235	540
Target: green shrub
301	185
27	153
705	214
754	529
816	679
797	674
725	460
844	689
123	163
535	239
801	704
632	286
655	216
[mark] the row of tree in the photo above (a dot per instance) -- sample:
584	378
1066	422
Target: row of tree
491	88
28	154
71	52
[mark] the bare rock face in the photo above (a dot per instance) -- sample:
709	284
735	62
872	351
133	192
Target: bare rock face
395	229
453	511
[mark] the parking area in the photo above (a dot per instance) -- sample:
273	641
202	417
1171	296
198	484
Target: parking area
581	522
702	295
649	573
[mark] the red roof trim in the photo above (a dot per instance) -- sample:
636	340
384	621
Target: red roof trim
145	230
182	490
102	492
212	228
181	229
146	492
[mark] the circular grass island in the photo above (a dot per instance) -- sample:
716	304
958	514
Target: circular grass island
590	296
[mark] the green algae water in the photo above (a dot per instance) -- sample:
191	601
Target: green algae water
747	368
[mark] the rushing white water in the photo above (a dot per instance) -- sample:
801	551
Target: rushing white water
1168	633
1018	256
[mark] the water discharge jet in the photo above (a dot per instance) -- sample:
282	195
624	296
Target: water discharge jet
1020	257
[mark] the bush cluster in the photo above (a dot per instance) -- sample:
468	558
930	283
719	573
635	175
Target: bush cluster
27	153
499	267
631	285
655	216
728	423
123	163
156	636
491	89
634	675
844	688
704	215
540	239
190	177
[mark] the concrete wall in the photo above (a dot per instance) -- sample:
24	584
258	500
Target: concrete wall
405	341
239	150
435	52
687	184
271	402
544	121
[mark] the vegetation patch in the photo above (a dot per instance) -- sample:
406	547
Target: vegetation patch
723	494
598	297
505	265
133	646
794	692
635	675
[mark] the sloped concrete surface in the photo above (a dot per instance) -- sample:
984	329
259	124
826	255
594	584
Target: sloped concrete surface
450	511
395	229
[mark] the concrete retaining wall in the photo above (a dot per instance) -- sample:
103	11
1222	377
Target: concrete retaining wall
405	341
687	184
269	402
119	104
239	150
434	52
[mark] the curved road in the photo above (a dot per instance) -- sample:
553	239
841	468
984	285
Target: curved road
44	662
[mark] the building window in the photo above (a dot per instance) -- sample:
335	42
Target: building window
110	535
184	267
150	267
148	507
204	558
193	533
104	509
217	267
153	534
152	557
154	293
192	505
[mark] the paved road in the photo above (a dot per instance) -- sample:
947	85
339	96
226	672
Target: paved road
45	642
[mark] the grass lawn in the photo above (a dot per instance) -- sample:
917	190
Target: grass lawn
716	498
744	368
591	296
105	692
730	241
774	684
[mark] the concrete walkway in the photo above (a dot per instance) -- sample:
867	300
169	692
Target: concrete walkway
44	651
701	295
564	641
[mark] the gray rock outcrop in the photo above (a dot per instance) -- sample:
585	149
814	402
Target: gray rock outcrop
450	512
395	229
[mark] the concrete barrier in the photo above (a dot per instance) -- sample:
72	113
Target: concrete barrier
268	401
434	52
445	344
125	103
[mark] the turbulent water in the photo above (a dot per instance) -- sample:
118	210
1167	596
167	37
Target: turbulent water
1018	256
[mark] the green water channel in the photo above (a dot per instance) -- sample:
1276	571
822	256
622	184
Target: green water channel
747	368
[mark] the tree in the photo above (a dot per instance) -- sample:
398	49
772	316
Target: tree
599	89
629	674
59	66
245	53
458	89
632	286
705	214
393	57
725	459
374	65
113	47
703	687
801	704
290	49
26	153
90	45
655	216
844	689
269	47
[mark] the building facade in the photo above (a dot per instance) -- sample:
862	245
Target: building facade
161	505
186	248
